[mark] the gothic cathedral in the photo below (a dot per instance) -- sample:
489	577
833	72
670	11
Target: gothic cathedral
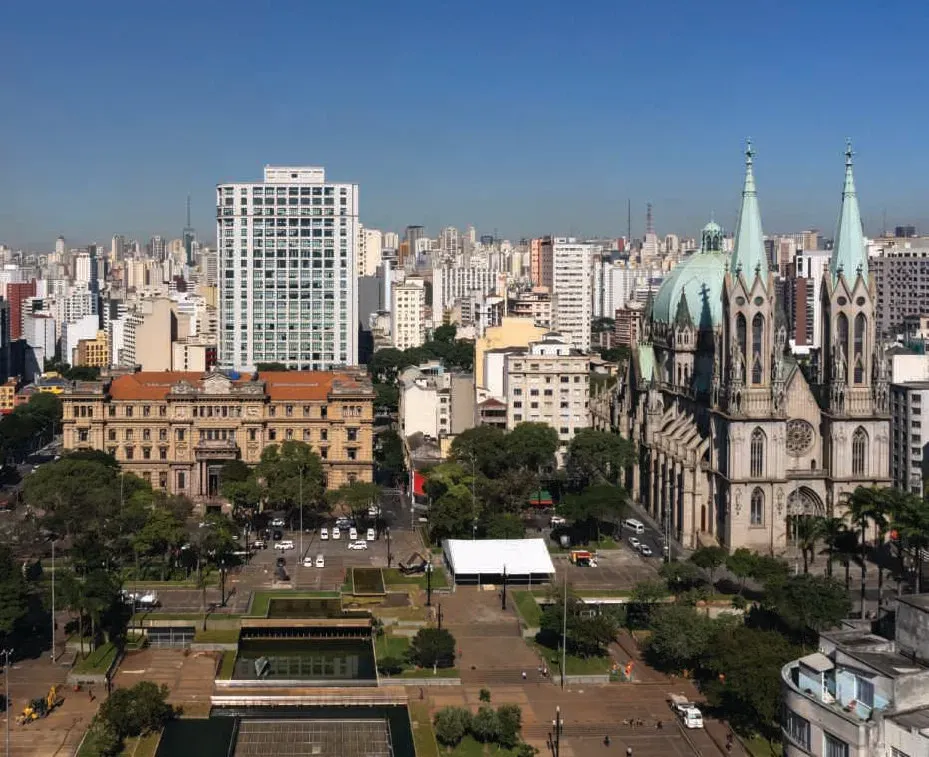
736	438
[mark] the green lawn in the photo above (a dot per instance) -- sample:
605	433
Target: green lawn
528	608
218	636
98	661
367	581
226	666
391	646
471	747
427	673
439	579
423	736
575	666
758	746
141	746
261	599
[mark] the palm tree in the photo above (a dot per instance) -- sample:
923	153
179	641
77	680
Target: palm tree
71	591
830	531
846	550
809	529
864	505
911	521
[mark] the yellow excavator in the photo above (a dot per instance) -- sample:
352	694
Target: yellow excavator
40	706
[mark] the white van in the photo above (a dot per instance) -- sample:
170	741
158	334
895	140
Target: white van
636	526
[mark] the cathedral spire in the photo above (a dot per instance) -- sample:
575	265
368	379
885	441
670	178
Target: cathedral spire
848	254
748	254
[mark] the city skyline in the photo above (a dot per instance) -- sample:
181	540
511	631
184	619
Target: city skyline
500	133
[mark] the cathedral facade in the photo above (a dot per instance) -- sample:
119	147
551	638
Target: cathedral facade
735	438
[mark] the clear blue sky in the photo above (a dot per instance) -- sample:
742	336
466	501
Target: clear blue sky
525	117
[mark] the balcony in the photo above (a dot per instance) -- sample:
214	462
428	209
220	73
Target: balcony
217	449
819	688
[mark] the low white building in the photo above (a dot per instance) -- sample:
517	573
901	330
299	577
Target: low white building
434	402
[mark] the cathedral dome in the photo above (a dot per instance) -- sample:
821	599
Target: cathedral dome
699	281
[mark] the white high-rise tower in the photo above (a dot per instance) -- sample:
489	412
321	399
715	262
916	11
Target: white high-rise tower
287	290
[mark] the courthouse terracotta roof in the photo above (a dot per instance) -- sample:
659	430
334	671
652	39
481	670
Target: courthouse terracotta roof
279	385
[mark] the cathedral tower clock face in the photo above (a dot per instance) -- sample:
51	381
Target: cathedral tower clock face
799	437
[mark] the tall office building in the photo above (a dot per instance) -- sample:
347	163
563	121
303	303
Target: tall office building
368	252
407	314
287	291
189	239
572	289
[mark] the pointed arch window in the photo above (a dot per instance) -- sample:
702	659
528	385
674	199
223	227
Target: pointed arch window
756	467
861	324
757	509
741	335
860	452
757	348
841	333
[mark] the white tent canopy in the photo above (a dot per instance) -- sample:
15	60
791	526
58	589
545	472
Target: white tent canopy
489	557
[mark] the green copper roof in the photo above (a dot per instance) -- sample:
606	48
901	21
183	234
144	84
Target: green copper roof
698	283
646	361
748	255
849	255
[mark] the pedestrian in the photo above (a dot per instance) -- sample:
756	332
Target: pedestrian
606	740
659	725
422	693
628	751
524	675
90	693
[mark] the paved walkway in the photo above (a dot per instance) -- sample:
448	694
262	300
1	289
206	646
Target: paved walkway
189	677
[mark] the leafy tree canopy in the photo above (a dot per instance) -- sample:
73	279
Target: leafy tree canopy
289	470
433	647
595	455
809	602
709	559
451	724
532	445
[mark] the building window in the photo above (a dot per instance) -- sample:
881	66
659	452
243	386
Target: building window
324	435
252	434
289	411
162	453
757	515
146	453
757	348
83	435
841	334
179	434
865	692
111	411
128	435
129	411
741	332
146	434
859	452
757	454
352	453
834	747
797	729
146	411
324	453
181	480
352	434
163	480
111	435
130	453
272	434
861	323
289	434
162	435
324	412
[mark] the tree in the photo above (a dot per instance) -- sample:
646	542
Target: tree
645	595
769	571
138	710
680	638
76	495
846	551
387	398
809	602
291	472
451	724
505	526
385	364
911	522
830	531
14	595
680	576
270	367
532	445
235	470
102	739
709	559
388	455
509	725
866	505
586	636
101	593
619	354
485	726
746	665
485	446
594	505
357	496
598	456
71	596
741	563
445	333
161	533
433	647
809	529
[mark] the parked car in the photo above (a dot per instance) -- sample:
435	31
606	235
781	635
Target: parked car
259	544
371	535
307	562
343	522
353	533
336	534
634	543
557	520
646	550
284	545
320	561
277	522
374	511
360	544
324	534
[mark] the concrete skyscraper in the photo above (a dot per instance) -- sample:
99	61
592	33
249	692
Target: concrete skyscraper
287	290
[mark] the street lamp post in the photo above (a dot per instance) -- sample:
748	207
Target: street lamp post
429	584
222	582
503	595
557	726
53	605
439	614
390	557
301	515
6	692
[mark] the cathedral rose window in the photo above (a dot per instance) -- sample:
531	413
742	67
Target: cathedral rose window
799	437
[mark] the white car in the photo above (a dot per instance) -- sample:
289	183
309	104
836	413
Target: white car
336	534
557	520
635	543
277	523
342	522
324	534
353	533
360	544
307	562
646	550
374	511
284	545
320	561
371	536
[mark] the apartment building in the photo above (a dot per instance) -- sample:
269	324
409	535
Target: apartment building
435	402
627	325
287	271
535	304
177	429
909	424
860	694
94	353
901	278
572	290
408	314
548	383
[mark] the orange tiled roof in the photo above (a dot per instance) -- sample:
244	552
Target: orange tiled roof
279	385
